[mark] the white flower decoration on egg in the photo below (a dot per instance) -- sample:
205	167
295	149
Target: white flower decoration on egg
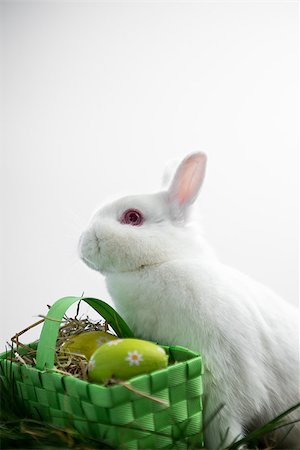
114	342
134	358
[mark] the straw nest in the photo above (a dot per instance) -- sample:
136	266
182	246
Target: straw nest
65	362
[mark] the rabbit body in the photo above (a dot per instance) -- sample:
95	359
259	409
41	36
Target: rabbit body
170	287
246	334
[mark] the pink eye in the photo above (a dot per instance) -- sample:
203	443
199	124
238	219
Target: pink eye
132	217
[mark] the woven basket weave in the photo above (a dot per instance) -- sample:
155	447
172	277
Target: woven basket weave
114	415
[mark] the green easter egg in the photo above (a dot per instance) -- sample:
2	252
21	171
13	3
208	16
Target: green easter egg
124	359
87	342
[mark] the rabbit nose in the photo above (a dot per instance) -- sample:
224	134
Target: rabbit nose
96	235
98	239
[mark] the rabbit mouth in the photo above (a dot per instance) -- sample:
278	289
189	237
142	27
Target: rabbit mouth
145	266
89	263
140	268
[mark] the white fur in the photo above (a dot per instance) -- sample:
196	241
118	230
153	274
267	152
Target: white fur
170	287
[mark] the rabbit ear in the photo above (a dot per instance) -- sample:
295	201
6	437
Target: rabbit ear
186	184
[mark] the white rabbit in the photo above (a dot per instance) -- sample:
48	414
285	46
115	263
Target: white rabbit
170	287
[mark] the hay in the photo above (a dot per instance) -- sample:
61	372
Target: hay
65	362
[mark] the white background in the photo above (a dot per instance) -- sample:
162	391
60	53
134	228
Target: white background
98	96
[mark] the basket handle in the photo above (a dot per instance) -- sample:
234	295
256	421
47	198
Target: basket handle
47	342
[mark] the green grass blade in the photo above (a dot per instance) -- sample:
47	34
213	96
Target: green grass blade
253	437
111	316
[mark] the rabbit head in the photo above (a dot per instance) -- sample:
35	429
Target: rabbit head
138	231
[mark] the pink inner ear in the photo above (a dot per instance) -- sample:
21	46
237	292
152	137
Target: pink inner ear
189	178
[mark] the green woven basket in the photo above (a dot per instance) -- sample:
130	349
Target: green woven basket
115	415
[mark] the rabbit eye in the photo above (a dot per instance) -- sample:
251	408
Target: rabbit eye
132	217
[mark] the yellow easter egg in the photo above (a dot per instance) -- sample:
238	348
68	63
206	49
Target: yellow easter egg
87	342
125	358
